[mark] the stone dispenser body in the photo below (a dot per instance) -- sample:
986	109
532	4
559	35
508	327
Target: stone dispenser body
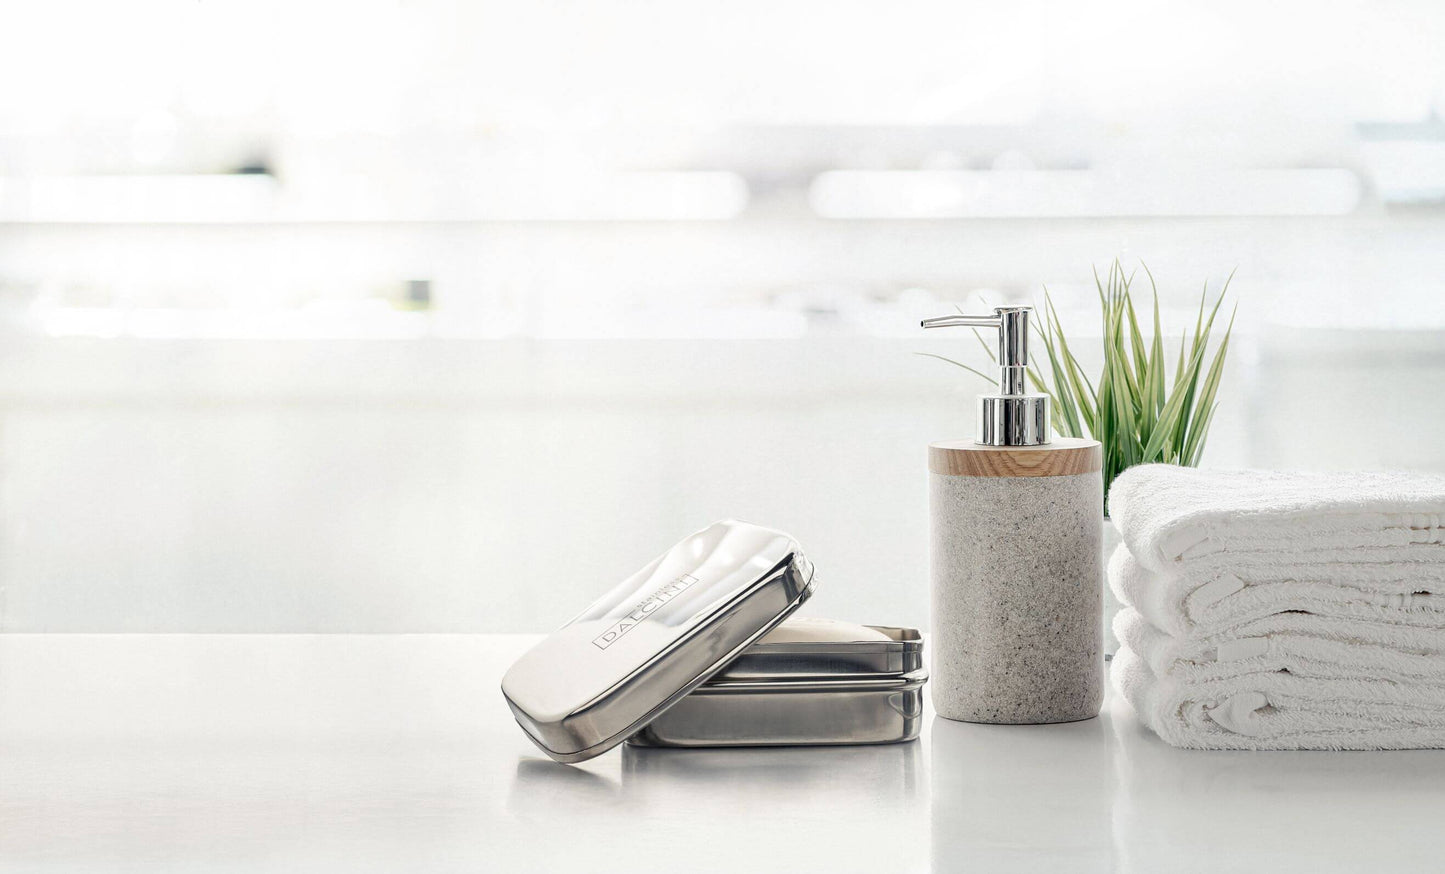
1017	581
1017	555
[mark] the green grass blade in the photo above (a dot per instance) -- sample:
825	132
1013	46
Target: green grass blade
1080	388
1198	345
1144	407
992	355
1119	308
1197	452
1206	394
1068	410
991	380
1042	388
1126	437
1064	367
1136	339
1156	354
1169	418
1076	371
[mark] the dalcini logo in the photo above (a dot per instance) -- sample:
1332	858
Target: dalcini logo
643	610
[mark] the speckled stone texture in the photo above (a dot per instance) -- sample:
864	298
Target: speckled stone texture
1017	597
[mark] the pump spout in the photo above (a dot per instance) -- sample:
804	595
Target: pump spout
961	322
1012	416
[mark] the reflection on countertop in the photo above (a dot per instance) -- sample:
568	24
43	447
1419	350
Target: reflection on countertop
887	774
396	752
1022	796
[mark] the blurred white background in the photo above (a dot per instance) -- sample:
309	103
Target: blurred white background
381	316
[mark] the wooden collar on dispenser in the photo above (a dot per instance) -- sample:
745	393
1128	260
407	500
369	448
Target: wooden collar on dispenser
1065	456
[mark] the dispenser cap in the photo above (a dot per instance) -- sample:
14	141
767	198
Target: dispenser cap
1011	416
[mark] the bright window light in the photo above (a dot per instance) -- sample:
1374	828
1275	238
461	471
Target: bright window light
902	194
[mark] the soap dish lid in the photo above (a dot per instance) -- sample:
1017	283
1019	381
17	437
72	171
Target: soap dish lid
655	637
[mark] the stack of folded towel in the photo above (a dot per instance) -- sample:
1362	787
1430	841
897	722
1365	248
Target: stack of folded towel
1268	610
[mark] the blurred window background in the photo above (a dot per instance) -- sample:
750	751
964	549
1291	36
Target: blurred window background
431	316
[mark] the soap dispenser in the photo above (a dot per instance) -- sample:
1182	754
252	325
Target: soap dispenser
1016	555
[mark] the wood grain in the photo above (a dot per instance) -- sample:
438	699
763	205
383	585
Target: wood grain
1065	456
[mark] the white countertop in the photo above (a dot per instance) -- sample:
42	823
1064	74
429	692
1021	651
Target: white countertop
396	753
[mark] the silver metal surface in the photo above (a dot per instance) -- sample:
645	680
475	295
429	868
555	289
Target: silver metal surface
816	692
657	635
1011	416
901	652
1013	421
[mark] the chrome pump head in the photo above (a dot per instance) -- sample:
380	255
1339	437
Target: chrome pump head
1011	416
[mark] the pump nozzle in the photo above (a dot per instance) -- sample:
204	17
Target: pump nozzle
1012	417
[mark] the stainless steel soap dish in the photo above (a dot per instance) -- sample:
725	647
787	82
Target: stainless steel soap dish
655	637
834	686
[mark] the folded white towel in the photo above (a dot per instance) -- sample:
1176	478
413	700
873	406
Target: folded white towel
1303	645
1277	710
1208	596
1167	514
1274	610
